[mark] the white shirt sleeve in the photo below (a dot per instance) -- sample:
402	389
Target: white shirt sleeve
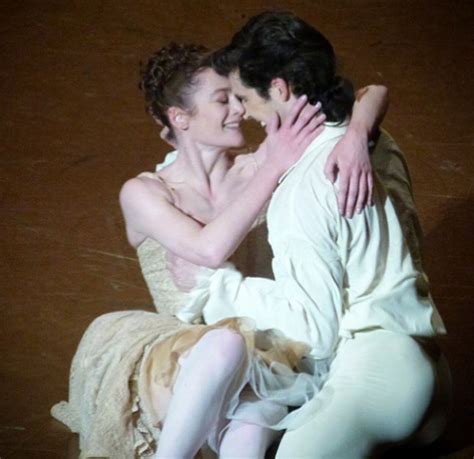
304	302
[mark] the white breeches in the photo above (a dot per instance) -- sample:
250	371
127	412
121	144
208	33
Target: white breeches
383	389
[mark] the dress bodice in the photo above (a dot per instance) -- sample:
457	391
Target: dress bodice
166	296
252	258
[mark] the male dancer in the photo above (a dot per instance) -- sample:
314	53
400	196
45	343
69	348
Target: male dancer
352	289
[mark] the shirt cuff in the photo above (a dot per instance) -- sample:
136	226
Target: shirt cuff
198	298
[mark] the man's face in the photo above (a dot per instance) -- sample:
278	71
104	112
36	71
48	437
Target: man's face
256	107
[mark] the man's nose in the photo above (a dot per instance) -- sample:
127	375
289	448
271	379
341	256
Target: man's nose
239	108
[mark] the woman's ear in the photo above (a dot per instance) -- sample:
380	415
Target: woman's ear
280	90
179	118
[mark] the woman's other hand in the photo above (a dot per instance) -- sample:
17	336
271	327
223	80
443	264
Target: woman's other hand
350	160
182	272
350	157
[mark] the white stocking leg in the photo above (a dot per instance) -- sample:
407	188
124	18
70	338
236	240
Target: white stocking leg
246	441
198	393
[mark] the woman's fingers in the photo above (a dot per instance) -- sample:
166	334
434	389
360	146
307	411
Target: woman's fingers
352	194
306	142
362	194
355	192
343	190
273	124
370	187
321	118
286	143
314	127
313	123
302	121
307	115
295	111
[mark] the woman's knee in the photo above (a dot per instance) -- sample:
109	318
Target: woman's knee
223	349
245	440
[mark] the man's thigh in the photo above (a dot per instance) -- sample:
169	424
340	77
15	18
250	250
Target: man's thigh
379	388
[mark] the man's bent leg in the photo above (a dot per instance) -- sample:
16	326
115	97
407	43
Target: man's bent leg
380	386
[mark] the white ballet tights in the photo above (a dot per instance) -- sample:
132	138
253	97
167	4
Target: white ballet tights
243	440
205	375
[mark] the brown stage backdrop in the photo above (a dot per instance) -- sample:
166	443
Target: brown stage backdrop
74	128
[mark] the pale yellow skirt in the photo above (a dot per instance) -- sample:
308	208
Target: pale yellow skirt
124	357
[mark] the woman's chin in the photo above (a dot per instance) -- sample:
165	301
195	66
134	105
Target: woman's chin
237	142
241	142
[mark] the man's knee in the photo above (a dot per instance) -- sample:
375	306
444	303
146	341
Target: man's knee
379	394
427	407
411	395
334	431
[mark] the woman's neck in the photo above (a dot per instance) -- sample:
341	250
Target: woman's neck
201	167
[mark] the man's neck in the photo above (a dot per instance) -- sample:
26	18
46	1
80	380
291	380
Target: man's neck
284	108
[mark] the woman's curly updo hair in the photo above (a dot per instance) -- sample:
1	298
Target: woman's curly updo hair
170	76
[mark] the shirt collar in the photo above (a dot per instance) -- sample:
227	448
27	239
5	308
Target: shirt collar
331	130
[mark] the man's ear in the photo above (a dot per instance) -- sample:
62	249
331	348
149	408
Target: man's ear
279	90
179	118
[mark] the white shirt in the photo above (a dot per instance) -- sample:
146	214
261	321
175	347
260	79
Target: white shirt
333	276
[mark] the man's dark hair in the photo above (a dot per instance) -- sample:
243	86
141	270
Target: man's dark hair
281	45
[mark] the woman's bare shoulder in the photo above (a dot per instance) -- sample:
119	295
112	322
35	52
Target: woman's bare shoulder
145	186
141	198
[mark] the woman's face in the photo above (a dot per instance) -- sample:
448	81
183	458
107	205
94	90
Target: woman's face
217	113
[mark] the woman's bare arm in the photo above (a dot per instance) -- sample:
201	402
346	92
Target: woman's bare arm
369	109
149	212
